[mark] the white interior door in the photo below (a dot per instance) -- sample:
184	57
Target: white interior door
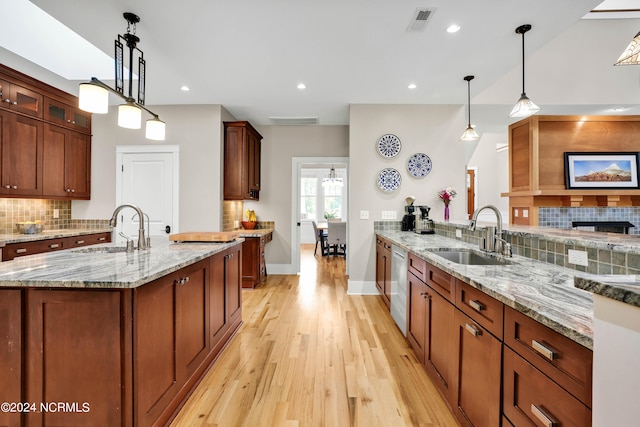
149	180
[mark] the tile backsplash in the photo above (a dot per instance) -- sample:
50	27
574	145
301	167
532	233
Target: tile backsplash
562	217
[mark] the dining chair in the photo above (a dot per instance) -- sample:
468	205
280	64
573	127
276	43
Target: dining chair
337	238
334	220
321	237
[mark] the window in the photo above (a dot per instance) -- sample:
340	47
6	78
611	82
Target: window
333	201
309	198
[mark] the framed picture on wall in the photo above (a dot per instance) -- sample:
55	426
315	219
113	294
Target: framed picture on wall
601	170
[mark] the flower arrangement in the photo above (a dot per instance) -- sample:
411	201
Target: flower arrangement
447	194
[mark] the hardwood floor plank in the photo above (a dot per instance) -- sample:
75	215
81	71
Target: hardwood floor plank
308	354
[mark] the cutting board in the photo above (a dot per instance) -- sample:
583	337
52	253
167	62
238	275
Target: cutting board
204	236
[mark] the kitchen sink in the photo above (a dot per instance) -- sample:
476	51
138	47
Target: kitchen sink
103	250
469	257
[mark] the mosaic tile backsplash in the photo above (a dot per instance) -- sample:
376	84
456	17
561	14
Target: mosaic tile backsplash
562	217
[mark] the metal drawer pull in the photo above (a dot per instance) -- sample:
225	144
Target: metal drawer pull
182	280
101	239
54	245
477	306
473	330
21	251
540	415
79	242
543	350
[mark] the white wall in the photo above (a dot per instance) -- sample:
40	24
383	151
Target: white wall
197	130
492	173
430	129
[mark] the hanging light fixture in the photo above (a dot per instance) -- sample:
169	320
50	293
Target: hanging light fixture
332	179
631	53
524	107
470	133
94	95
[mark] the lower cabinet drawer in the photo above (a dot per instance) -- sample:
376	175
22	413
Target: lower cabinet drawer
530	398
15	250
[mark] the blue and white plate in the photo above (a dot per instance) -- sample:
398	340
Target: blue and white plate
388	146
389	180
419	165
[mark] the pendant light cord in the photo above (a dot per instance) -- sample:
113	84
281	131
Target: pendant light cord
523	92
469	100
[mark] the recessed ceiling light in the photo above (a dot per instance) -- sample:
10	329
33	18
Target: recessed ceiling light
185	88
453	28
619	108
302	86
412	86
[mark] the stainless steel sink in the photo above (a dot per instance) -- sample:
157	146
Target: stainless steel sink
103	250
471	258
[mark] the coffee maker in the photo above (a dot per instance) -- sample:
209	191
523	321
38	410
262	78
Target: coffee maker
424	225
409	219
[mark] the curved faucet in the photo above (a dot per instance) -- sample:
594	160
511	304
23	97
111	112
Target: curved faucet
493	240
142	241
474	218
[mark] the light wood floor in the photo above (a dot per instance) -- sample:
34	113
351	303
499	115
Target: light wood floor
309	355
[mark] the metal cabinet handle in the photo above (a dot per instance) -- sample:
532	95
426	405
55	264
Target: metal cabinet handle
79	242
54	245
21	251
477	305
473	330
543	350
7	100
182	280
7	186
101	239
544	418
15	187
15	102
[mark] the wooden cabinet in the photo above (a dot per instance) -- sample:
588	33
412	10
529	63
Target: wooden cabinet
242	161
13	250
18	98
254	267
67	163
21	140
74	353
10	354
383	269
417	315
225	296
65	115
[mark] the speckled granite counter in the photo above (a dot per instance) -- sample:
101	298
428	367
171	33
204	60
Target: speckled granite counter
89	268
51	234
624	288
257	232
542	291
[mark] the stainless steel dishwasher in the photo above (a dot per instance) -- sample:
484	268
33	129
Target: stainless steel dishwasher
399	287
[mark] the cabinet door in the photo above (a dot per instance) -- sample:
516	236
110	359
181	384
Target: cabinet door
66	164
53	167
18	98
233	284
83	327
250	262
10	354
253	145
417	303
22	139
478	362
380	267
234	178
78	165
439	350
217	299
67	115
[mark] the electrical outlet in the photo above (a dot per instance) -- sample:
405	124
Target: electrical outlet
56	213
459	233
364	214
578	257
388	214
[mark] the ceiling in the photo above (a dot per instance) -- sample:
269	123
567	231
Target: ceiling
250	55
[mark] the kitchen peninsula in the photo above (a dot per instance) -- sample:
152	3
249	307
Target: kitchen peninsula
111	337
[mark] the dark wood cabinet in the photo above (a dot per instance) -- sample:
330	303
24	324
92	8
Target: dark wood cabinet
67	163
242	161
10	354
65	115
254	267
20	155
417	315
383	269
18	98
225	296
13	250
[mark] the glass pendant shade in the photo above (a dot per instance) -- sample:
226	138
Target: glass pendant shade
631	53
332	179
524	108
93	98
129	116
155	129
469	135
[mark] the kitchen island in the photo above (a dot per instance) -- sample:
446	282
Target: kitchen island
97	336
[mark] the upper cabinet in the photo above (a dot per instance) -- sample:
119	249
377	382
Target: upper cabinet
241	161
45	141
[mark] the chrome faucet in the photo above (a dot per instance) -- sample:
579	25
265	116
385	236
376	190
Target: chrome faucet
142	241
493	240
148	240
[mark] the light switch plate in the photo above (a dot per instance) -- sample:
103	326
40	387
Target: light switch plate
578	257
364	214
459	233
388	214
56	213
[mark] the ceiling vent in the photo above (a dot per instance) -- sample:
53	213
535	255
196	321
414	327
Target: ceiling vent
420	18
293	121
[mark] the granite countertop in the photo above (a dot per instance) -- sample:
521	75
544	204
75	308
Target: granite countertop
256	232
87	268
623	288
51	234
542	291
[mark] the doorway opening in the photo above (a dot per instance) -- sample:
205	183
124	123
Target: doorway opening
472	180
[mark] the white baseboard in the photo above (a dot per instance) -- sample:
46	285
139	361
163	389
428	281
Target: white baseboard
361	287
281	269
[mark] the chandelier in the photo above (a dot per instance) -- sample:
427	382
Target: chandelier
94	95
332	179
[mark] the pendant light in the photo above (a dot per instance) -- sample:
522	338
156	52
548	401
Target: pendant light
470	134
332	179
631	53
524	107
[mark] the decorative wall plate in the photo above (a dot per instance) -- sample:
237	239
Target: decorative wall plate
389	180
419	165
388	146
